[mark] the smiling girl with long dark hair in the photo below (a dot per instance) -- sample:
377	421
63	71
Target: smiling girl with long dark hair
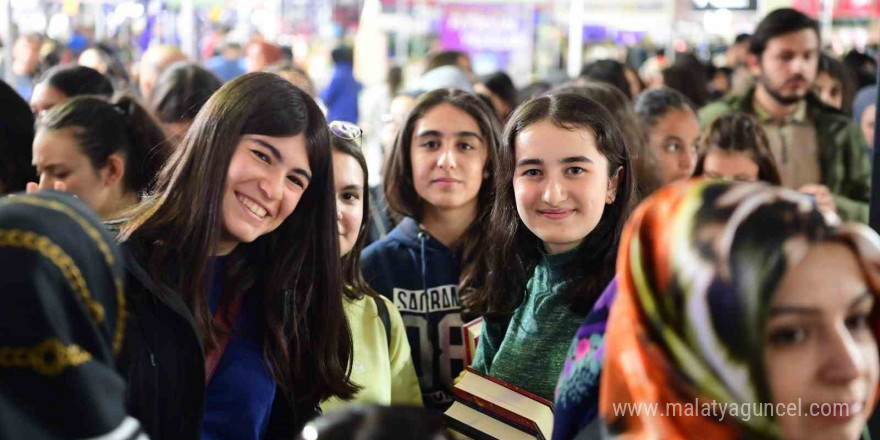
235	279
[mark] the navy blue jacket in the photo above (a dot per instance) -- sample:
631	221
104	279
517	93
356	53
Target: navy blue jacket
420	276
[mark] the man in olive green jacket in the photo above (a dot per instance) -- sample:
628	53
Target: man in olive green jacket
822	151
843	157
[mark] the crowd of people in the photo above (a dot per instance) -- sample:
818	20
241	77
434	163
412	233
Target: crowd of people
209	250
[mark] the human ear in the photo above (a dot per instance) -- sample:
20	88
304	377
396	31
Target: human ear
613	183
114	170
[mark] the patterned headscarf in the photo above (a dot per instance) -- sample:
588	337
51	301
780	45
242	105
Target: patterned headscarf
698	266
62	321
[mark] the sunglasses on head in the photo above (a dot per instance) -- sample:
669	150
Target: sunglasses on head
346	130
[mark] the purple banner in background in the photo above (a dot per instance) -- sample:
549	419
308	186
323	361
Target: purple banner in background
491	34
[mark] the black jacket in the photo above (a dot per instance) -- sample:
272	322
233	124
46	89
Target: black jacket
164	362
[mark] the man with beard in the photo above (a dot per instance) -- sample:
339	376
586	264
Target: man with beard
818	150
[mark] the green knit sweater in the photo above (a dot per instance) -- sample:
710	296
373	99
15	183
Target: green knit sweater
530	352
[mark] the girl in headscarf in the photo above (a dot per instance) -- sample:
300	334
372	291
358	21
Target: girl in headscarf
741	314
62	322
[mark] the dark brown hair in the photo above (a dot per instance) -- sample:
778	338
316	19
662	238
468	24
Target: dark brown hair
400	192
353	280
296	267
122	126
515	249
739	133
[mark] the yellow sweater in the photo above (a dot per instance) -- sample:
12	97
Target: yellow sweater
385	378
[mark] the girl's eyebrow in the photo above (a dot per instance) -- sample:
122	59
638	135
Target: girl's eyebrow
280	158
576	159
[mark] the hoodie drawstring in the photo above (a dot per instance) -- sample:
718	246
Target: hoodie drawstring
423	237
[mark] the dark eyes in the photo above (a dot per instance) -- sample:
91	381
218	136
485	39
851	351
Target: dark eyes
296	181
435	144
350	196
261	156
676	148
265	158
858	322
787	336
534	172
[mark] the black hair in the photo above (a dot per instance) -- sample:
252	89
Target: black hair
342	54
863	66
114	58
739	132
77	80
16	138
502	86
102	128
688	76
779	22
742	38
840	72
607	71
535	89
181	91
488	101
653	104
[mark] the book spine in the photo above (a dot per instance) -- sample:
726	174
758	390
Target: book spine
491	408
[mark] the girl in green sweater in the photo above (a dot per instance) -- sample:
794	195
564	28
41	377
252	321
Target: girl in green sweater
382	365
564	189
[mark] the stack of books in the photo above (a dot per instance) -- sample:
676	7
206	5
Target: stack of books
488	408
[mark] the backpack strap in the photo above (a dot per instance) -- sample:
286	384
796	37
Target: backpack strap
385	317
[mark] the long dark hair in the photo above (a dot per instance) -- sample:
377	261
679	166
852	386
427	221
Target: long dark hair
400	192
120	126
354	285
296	267
77	80
181	91
515	249
739	133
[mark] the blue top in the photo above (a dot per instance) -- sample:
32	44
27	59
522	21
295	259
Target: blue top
224	69
341	96
420	276
238	401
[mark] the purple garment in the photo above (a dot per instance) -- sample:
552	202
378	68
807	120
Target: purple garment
577	392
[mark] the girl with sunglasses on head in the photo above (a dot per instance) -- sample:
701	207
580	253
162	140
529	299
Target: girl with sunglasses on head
439	180
382	365
234	273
